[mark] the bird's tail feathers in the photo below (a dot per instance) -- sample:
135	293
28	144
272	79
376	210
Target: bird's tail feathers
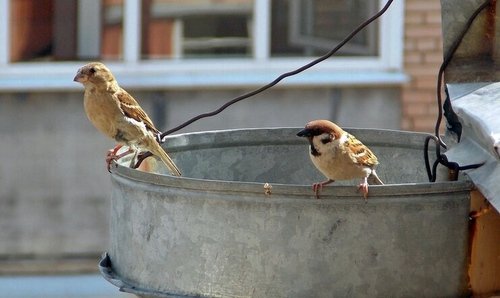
374	179
157	150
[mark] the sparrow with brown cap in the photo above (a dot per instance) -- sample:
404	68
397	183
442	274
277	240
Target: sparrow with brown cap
339	155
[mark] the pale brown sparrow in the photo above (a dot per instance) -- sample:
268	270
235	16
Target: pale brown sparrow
117	114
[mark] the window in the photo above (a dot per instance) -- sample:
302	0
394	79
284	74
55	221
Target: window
312	28
197	29
258	34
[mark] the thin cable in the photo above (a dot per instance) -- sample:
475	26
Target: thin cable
283	76
444	65
441	158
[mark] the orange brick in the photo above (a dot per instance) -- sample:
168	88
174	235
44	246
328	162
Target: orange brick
428	44
415	109
417	96
434	58
426	31
410	45
423	70
406	124
423	5
415	19
413	58
433	17
426	82
422	58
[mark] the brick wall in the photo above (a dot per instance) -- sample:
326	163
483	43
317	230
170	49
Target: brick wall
423	53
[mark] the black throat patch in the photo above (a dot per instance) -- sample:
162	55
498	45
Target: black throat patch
314	151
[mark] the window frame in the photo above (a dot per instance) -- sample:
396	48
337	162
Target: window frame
132	72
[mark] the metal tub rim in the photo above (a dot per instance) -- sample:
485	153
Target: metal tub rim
291	191
175	143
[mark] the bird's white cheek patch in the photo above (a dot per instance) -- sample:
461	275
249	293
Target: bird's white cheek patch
343	138
322	147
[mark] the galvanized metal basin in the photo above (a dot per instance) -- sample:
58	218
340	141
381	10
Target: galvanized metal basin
218	232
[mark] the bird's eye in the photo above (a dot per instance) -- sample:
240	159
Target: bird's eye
92	70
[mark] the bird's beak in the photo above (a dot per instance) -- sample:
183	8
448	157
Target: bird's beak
304	133
80	78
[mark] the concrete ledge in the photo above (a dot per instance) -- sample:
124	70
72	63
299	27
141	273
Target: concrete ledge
64	265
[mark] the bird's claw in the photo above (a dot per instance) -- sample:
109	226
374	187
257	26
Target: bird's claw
113	156
110	157
363	187
317	187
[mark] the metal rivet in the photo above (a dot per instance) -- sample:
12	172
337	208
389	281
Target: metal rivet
267	189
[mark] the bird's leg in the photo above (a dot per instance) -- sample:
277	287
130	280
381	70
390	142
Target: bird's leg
132	161
141	157
317	187
115	149
363	187
111	155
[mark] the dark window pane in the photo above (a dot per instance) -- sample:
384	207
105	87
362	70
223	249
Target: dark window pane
312	28
55	30
197	28
31	29
112	29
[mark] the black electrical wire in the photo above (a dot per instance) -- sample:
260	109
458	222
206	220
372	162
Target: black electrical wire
144	155
285	75
441	158
446	62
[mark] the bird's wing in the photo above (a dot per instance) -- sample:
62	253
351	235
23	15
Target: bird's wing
362	154
131	109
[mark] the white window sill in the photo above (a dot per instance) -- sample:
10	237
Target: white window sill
23	77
